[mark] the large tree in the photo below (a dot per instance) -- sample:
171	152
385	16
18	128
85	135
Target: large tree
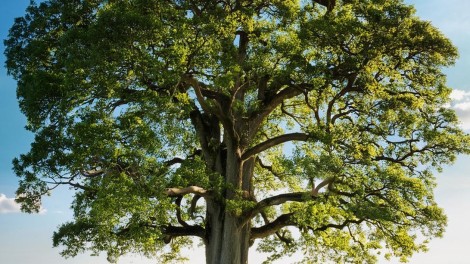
289	125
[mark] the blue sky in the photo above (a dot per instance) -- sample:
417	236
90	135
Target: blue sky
26	239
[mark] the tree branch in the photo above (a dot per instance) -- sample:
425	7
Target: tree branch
325	182
269	168
192	208
170	232
286	220
274	142
337	226
273	227
274	200
178	211
283	198
178	160
92	173
329	4
280	236
191	189
272	102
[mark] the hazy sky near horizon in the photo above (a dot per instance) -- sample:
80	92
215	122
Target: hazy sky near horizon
26	239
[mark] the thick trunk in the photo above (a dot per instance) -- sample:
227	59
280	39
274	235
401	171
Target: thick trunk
227	243
226	240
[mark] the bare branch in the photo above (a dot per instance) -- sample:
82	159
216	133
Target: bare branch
191	189
321	185
274	142
92	173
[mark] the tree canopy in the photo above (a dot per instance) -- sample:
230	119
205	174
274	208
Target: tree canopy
299	125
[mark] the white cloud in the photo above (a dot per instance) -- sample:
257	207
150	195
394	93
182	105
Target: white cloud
459	95
461	104
8	205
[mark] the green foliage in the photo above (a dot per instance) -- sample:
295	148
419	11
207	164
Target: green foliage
128	98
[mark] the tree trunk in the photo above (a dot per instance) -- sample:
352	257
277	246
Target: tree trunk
227	242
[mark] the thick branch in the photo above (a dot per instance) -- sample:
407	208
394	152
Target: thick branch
92	173
178	231
280	236
273	227
198	90
283	198
178	160
286	220
275	200
321	185
274	142
329	4
274	101
191	189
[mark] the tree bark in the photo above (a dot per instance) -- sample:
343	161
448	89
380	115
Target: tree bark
227	241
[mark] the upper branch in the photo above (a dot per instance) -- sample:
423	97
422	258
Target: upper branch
274	142
329	4
202	92
274	101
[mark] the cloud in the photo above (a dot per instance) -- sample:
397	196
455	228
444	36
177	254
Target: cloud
461	104
8	206
459	95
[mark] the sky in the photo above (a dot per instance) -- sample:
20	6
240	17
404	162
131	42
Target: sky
26	239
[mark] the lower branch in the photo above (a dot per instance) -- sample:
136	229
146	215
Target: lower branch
170	232
273	227
283	198
286	220
275	200
280	236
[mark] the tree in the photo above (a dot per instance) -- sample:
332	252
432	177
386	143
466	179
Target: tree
303	125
